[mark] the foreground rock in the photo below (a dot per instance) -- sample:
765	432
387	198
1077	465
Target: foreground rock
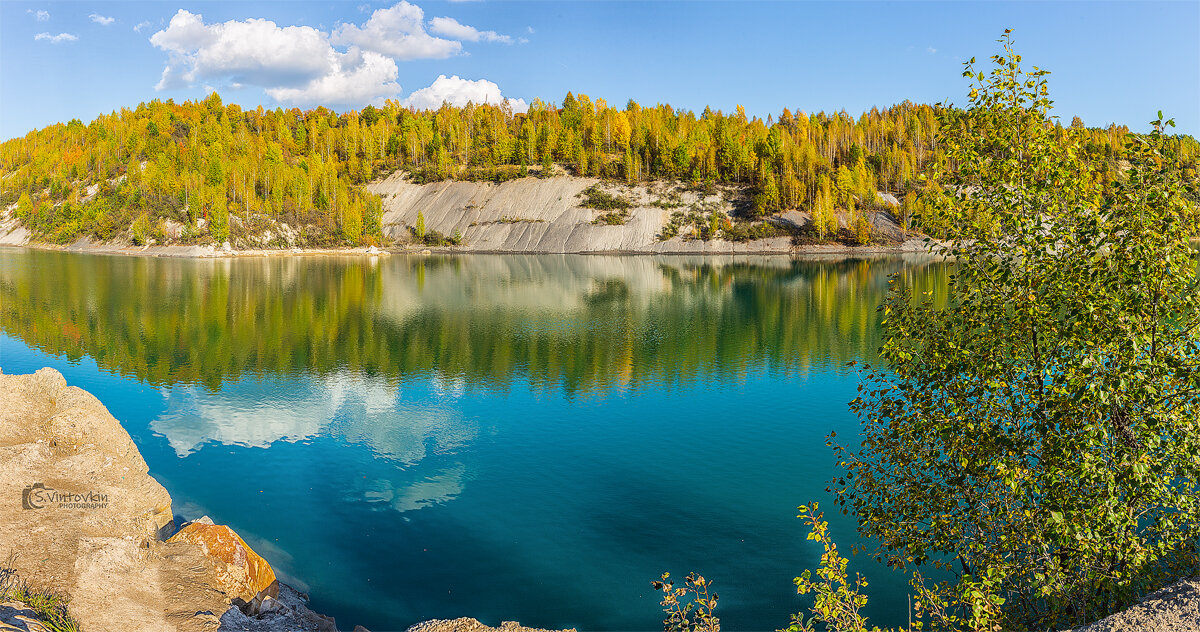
16	616
81	516
242	574
1175	608
471	625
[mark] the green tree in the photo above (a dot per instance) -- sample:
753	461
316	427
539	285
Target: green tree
25	209
140	230
352	224
1037	437
218	216
824	217
419	231
767	199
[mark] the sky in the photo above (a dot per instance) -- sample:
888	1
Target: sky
1111	62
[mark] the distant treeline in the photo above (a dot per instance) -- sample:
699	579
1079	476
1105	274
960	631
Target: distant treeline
216	170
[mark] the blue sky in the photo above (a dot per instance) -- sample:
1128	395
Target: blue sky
1111	61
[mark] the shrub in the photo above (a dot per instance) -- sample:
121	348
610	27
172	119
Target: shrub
611	219
596	198
751	231
435	238
1036	437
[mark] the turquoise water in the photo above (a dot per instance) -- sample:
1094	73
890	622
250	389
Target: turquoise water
529	438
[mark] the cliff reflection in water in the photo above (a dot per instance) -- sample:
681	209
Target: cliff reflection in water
586	324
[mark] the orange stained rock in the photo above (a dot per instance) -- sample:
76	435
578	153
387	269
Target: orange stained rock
242	573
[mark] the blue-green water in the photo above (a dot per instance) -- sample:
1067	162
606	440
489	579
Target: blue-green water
529	438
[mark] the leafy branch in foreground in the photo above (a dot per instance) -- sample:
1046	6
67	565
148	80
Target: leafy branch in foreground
1036	439
690	607
836	599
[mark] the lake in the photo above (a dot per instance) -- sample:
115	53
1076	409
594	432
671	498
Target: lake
507	437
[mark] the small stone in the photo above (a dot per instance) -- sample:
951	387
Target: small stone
15	616
271	605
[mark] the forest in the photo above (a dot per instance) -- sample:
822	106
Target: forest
205	172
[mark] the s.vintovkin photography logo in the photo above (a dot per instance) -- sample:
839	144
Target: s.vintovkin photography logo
38	496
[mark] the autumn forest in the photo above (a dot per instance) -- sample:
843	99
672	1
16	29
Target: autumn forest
203	171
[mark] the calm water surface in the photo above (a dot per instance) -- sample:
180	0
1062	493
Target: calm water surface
529	438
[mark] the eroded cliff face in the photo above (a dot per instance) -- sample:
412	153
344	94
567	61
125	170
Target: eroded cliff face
534	215
529	215
81	516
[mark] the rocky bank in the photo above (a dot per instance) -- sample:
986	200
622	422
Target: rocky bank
81	516
1175	608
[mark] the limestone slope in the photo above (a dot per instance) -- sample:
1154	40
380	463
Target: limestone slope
534	215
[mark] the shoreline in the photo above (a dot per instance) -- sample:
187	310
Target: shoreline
912	246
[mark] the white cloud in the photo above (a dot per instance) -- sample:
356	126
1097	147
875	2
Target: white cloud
305	66
253	51
459	92
101	19
398	32
931	50
360	77
141	25
54	39
530	29
294	64
39	15
451	28
358	409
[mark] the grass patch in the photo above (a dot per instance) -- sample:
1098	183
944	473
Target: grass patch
611	219
595	197
673	200
51	608
504	219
